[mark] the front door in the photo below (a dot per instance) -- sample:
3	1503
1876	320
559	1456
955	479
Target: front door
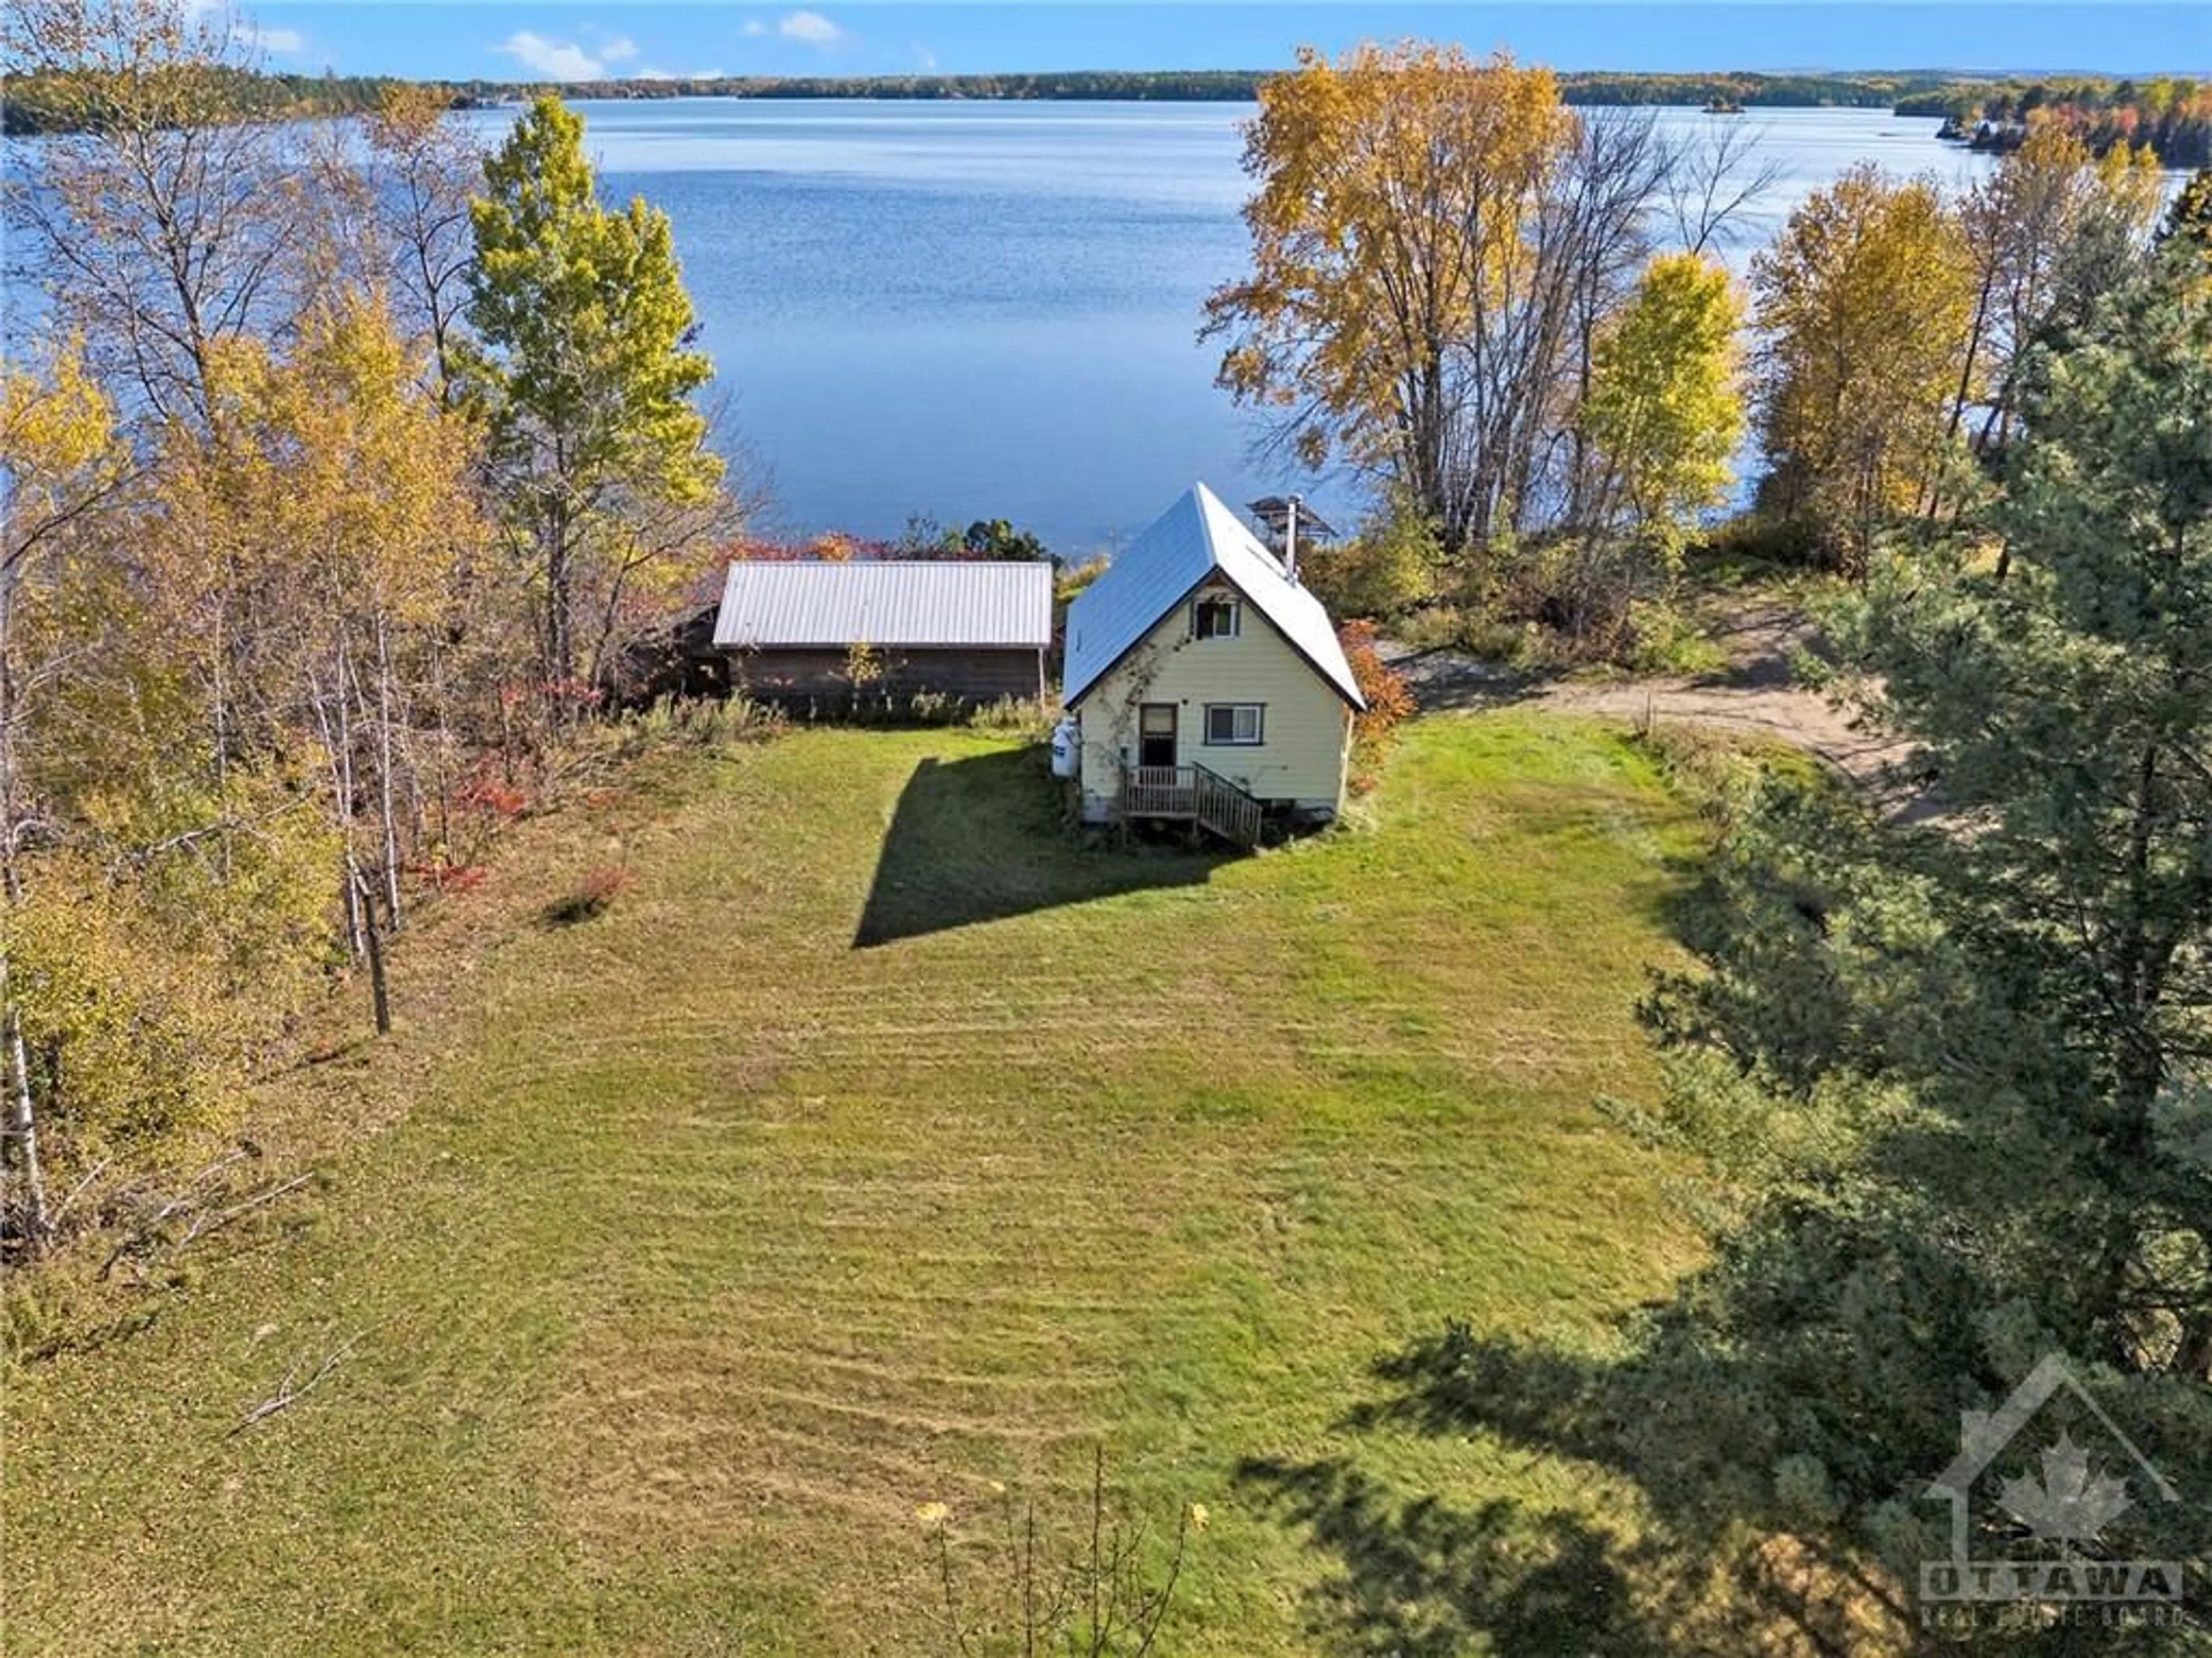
1156	734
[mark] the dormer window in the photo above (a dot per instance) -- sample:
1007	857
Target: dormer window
1216	618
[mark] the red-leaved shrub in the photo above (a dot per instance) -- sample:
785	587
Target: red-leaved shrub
1389	701
603	883
594	895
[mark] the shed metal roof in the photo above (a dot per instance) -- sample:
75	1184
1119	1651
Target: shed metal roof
905	604
1190	541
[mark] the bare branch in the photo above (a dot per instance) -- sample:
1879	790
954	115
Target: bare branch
54	1220
192	1201
205	1222
1713	178
290	1391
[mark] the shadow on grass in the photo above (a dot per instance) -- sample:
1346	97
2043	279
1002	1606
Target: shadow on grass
1421	1578
572	911
1412	1573
979	840
1445	679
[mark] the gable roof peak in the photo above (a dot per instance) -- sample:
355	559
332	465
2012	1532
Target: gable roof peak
1195	537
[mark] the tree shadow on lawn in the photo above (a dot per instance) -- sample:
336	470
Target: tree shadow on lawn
1446	680
980	839
1415	1575
1418	1577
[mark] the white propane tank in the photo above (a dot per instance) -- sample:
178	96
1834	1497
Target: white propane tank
1067	746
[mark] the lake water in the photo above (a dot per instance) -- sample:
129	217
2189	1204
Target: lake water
990	310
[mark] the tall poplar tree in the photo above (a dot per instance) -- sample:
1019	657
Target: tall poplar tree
1665	410
586	373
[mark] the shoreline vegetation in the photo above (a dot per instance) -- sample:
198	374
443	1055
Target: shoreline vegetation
2172	115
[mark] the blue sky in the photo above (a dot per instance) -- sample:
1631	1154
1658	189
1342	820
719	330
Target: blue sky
576	39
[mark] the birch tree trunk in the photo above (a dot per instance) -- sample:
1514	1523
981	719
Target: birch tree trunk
379	989
385	794
21	1126
18	1125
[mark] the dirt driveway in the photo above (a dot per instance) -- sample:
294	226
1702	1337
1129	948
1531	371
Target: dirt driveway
1754	694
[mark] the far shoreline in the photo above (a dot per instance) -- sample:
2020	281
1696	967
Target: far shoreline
2172	114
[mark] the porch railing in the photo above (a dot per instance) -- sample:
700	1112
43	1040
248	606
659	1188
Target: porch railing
1157	791
1195	793
1225	808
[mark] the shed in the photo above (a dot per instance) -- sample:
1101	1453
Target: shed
976	631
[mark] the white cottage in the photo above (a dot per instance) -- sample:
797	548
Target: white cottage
1207	684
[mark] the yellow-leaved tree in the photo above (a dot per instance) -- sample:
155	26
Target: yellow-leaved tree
163	891
1394	271
2051	231
1864	305
1439	245
1665	411
333	488
61	462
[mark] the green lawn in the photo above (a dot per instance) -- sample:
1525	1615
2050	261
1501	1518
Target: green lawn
880	1144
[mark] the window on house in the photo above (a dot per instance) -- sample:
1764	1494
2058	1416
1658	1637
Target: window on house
1234	725
1216	618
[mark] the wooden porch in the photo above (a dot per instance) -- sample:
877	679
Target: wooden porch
1192	795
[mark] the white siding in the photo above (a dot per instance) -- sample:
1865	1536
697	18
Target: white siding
1308	730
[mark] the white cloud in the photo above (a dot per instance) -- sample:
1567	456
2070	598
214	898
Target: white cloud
811	27
925	57
754	26
286	43
620	50
557	60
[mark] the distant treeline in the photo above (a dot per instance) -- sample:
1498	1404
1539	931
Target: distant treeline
2172	115
1873	91
33	104
1241	86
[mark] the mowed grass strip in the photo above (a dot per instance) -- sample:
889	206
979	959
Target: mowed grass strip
880	1145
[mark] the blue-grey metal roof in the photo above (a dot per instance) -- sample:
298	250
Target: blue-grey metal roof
1185	544
908	604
